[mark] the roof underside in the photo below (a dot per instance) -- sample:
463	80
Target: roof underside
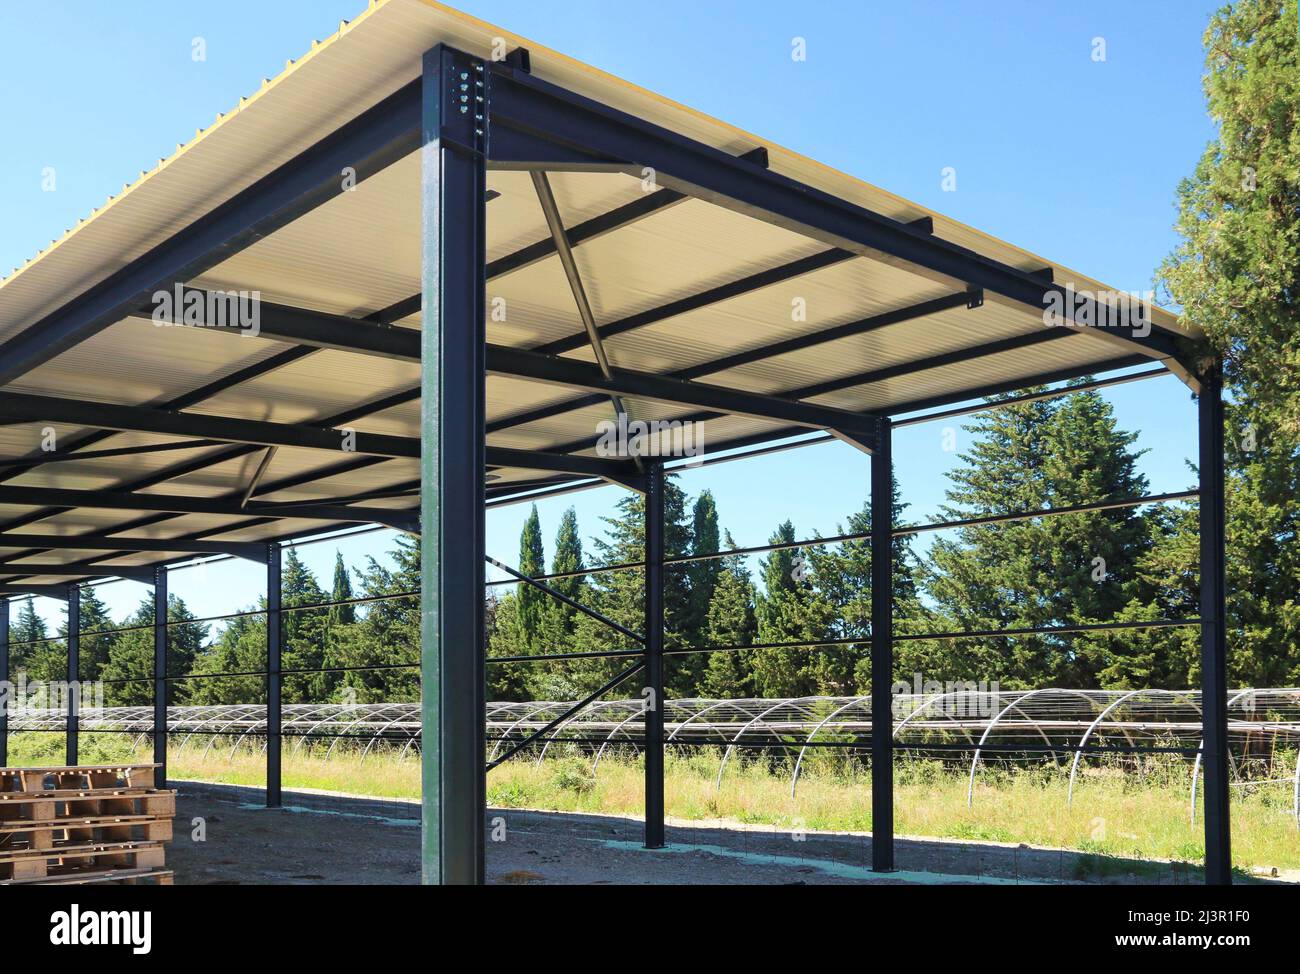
685	284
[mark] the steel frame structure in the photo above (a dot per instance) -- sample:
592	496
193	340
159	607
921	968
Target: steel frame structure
466	115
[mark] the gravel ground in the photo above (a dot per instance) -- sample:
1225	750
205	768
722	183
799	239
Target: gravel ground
321	838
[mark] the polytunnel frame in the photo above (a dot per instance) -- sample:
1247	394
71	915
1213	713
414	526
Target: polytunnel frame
523	122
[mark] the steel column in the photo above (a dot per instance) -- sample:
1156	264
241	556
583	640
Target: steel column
453	197
73	688
882	651
1214	649
6	691
654	656
160	676
274	631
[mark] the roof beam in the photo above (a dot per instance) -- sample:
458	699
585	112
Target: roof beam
519	363
284	323
123	501
99	542
572	121
142	419
206	391
136	574
1028	382
694	302
234	453
762	353
551	211
43	591
616	470
957	356
367	144
579	233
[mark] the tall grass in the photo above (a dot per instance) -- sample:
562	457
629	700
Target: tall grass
1115	811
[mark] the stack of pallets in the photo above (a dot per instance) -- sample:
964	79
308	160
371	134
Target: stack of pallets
96	824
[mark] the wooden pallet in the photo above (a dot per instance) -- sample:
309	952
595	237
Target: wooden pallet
80	857
90	821
78	776
108	877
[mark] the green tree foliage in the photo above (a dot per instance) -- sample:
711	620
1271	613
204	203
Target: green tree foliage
31	652
342	613
1236	275
128	674
730	622
95	642
381	651
790	609
1062	570
529	602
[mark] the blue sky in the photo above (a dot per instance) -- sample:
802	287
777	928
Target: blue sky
1071	158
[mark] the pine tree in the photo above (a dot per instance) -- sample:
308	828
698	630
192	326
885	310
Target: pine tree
128	674
303	633
1236	275
382	650
621	595
789	609
1053	571
27	637
95	643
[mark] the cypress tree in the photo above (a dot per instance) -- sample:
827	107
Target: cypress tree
341	615
730	622
530	603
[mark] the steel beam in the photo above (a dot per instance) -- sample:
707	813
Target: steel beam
762	353
143	419
502	360
554	222
74	675
882	653
75	542
30	462
12	587
451	503
571	121
1027	382
114	571
1214	638
367	144
617	470
694	302
654	656
274	680
160	686
118	500
597	226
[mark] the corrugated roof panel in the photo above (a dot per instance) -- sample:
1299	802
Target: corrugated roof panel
136	362
680	252
848	291
325	383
